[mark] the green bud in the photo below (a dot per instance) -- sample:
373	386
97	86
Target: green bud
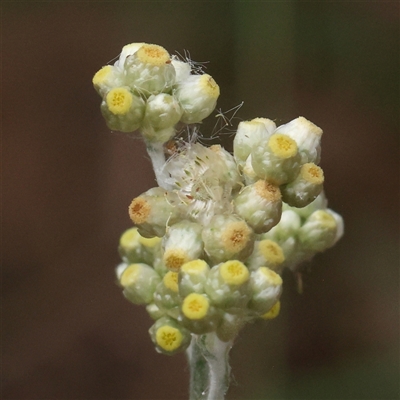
122	110
227	237
259	205
149	70
182	243
228	286
305	188
134	248
276	160
319	232
166	295
107	78
139	282
162	111
197	96
307	137
192	277
266	287
198	314
153	210
249	135
267	253
169	336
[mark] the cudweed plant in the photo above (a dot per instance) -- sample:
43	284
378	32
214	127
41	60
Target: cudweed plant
210	242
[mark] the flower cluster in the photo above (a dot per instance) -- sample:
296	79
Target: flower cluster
148	90
211	241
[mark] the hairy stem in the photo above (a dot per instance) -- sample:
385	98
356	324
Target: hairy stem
157	156
209	367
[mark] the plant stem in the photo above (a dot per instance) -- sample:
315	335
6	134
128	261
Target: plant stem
157	156
209	367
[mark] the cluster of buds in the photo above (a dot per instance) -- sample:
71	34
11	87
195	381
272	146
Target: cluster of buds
210	243
149	91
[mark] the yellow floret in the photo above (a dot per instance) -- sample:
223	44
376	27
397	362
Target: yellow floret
119	100
271	252
236	236
101	75
234	272
273	312
312	173
174	259
168	338
129	237
139	210
153	54
195	306
210	87
194	267
170	281
282	145
130	275
327	220
149	242
267	190
273	277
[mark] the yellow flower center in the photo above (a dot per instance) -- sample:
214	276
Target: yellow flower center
273	312
170	281
271	251
282	145
130	275
168	338
101	75
119	101
153	54
272	277
139	210
312	173
174	259
234	272
195	306
195	267
267	191
236	236
209	86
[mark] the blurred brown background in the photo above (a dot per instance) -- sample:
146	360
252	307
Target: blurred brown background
68	333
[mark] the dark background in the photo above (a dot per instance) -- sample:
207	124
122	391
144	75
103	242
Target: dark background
68	333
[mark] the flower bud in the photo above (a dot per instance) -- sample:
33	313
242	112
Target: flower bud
122	110
267	253
169	336
259	205
305	188
162	111
276	160
192	277
182	69
134	248
307	136
319	232
139	282
249	135
273	312
198	314
227	237
149	70
182	243
166	296
197	96
266	286
107	78
153	210
228	286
